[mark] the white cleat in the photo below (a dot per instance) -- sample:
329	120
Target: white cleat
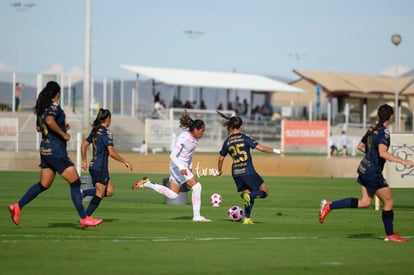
201	219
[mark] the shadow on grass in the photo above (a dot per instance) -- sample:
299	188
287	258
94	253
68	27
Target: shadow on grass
183	218
410	207
75	225
64	225
363	236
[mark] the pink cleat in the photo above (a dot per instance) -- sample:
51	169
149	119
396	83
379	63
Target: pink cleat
395	238
15	212
89	221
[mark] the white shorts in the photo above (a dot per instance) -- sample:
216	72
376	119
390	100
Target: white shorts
179	178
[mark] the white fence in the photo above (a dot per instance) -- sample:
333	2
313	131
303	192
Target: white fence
161	133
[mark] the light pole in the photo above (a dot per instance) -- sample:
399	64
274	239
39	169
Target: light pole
21	7
87	79
193	35
396	40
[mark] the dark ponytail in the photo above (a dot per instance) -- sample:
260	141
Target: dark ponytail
186	122
230	122
385	112
45	96
102	115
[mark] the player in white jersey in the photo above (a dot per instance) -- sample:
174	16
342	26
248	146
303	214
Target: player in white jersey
181	165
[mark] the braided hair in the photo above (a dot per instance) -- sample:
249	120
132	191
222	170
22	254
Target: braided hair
45	96
102	115
186	122
230	122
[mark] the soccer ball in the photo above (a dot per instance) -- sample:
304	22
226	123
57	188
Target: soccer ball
235	213
216	199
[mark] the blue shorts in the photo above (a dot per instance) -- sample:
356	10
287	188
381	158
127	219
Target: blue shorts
372	182
249	182
57	164
99	176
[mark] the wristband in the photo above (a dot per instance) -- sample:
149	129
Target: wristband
276	151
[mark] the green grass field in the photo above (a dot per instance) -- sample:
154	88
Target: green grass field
143	235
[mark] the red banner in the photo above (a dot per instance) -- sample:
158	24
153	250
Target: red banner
305	133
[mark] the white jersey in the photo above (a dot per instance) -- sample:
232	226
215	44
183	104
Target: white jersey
184	146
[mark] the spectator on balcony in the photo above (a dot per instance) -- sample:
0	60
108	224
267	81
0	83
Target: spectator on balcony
266	110
187	105
256	113
159	106
230	106
237	106
177	103
202	105
245	107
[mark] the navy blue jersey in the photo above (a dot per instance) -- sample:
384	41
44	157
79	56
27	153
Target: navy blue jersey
100	141
372	163
238	147
52	143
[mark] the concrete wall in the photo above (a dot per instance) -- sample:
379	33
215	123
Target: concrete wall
265	164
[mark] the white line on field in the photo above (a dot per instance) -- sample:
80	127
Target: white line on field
5	238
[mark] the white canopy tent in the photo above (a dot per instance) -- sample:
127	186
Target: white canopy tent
225	80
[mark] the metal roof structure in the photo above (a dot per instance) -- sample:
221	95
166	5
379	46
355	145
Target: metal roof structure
224	80
359	85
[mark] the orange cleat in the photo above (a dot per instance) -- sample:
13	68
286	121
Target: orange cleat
325	209
140	184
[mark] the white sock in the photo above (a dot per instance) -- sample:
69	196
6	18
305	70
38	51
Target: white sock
196	199
161	189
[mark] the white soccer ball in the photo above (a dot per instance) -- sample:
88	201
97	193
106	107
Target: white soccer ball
235	213
216	199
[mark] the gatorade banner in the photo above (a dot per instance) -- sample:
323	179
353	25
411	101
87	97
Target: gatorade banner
397	175
305	133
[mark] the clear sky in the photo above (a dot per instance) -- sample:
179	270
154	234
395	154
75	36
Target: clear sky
269	37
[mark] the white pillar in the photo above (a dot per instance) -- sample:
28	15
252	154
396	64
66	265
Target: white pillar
310	111
78	152
14	93
88	68
133	102
364	116
346	115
